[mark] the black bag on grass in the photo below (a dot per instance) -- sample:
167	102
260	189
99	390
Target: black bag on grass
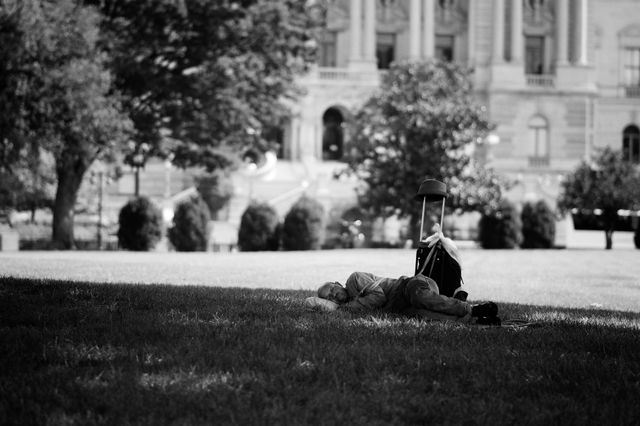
437	264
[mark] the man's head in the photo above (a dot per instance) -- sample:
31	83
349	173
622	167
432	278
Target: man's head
333	291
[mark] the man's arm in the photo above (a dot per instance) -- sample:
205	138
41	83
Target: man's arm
368	295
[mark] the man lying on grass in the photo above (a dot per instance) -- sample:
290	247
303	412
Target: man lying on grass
414	296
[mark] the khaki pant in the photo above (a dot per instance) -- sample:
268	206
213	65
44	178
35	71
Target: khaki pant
420	297
423	294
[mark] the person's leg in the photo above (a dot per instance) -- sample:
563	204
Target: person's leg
424	294
427	315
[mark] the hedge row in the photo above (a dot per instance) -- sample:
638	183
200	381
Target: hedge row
140	223
505	228
302	229
303	226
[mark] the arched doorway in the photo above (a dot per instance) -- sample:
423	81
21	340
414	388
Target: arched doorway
332	134
631	144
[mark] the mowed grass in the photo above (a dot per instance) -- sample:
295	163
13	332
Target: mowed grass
80	352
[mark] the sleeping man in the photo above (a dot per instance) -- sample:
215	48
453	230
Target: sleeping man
415	296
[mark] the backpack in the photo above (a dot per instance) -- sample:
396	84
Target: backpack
436	263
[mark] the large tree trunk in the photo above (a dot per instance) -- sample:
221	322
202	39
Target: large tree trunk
608	235
69	180
609	221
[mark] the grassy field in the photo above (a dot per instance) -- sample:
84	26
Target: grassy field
567	278
132	338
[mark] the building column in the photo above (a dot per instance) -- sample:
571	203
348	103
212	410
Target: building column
355	31
370	31
471	32
294	140
517	38
562	31
429	28
582	32
498	31
414	30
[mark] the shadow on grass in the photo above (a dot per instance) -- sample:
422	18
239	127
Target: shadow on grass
157	354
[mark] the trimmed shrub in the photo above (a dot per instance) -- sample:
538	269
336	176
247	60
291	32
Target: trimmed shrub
140	225
538	225
303	227
259	228
501	228
190	226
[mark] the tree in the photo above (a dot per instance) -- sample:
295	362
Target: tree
140	225
59	96
259	228
190	226
303	227
202	79
607	183
28	185
422	123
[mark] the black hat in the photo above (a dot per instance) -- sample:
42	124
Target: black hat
431	190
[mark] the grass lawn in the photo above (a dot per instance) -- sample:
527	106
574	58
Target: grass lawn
131	338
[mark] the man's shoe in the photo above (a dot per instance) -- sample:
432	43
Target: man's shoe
461	295
489	321
488	309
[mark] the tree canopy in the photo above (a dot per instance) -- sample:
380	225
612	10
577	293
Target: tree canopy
606	183
422	123
202	79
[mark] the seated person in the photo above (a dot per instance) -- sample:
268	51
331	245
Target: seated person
418	295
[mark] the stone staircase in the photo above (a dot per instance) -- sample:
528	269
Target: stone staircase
280	185
286	183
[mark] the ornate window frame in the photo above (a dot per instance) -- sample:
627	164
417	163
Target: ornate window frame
629	62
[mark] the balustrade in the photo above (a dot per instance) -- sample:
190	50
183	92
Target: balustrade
541	80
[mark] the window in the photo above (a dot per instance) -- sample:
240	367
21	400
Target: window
534	55
444	47
632	71
327	53
631	144
385	50
538	144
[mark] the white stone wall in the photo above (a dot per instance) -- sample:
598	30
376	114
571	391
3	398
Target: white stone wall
609	20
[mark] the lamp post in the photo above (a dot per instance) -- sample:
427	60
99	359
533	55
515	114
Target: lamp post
252	157
98	177
100	189
138	160
251	168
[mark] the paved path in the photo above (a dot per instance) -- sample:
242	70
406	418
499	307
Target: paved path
570	278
